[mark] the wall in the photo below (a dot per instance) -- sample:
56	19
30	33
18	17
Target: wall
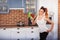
13	17
52	6
59	19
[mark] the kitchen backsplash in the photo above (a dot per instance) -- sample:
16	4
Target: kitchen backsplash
13	17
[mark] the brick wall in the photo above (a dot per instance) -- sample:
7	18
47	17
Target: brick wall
59	19
13	17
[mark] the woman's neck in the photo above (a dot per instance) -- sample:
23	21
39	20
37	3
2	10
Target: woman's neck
41	14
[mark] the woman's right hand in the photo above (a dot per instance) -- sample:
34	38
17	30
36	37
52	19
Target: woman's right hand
33	21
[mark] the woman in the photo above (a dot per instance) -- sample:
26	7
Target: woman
41	20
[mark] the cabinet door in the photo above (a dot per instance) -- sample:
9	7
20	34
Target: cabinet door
18	34
3	1
4	33
30	6
4	8
32	33
15	3
35	33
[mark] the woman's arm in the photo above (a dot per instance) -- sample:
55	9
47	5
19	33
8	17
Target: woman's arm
52	24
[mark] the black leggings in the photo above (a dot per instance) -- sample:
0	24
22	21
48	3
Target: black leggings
43	35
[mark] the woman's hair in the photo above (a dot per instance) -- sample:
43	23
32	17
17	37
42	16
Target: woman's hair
46	11
43	8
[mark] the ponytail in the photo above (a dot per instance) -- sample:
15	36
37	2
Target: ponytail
46	13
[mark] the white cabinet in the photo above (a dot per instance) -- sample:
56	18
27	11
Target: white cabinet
30	6
4	33
4	6
22	33
19	33
3	1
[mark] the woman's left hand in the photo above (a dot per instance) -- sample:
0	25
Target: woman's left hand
49	30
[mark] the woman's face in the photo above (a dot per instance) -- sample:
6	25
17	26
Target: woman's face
41	11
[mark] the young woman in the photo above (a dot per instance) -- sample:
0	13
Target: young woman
41	20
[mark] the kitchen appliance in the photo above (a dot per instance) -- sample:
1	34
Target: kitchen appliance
20	23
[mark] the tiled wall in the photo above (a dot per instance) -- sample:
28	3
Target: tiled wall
59	18
13	17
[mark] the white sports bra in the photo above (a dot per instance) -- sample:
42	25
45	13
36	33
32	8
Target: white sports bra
41	24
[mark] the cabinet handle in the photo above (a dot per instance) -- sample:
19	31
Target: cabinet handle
32	39
31	27
18	32
18	39
32	31
4	28
18	28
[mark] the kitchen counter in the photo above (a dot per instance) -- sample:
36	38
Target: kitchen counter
15	26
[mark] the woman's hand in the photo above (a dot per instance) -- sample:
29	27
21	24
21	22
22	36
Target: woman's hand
49	30
32	20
